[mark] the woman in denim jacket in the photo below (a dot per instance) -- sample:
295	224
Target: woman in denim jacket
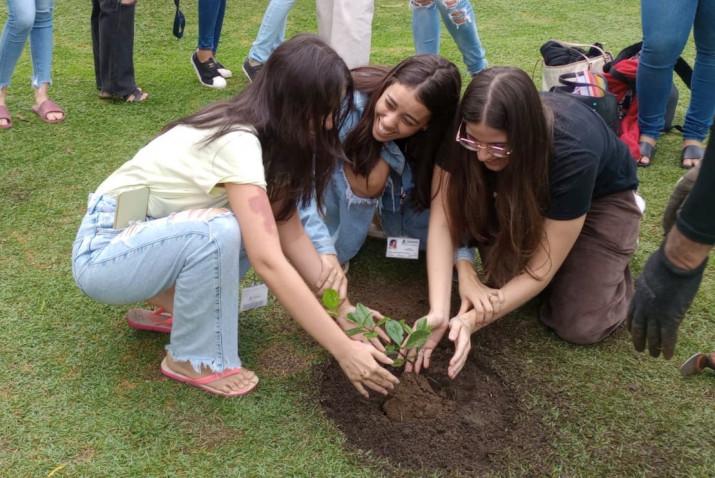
391	137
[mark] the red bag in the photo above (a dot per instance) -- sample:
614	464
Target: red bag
621	77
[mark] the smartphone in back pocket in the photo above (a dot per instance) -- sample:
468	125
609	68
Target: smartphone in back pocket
132	207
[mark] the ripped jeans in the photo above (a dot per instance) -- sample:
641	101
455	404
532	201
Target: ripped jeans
199	252
342	227
459	17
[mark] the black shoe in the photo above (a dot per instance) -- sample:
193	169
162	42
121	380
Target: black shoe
208	72
223	71
250	70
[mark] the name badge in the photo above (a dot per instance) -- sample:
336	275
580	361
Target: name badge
403	248
253	297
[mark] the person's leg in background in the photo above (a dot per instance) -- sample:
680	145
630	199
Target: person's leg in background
113	48
270	34
700	112
346	25
223	71
425	26
20	20
666	26
203	61
461	22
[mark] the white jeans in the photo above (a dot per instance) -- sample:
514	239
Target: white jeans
346	25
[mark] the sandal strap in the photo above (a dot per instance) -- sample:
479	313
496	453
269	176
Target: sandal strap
646	149
693	151
48	106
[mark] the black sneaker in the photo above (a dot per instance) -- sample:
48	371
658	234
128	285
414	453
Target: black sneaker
251	70
223	71
208	72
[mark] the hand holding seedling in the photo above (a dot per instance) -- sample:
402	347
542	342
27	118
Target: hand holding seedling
332	276
400	339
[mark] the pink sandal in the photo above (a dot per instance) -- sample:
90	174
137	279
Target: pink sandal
157	320
202	382
5	115
47	107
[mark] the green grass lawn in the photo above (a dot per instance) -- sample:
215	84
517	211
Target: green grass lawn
81	394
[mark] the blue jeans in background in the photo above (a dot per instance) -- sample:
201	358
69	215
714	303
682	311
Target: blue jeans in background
33	19
272	30
202	257
211	14
666	27
458	16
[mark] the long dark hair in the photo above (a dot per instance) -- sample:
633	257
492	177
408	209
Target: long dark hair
299	87
437	84
504	211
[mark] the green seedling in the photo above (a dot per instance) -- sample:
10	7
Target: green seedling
402	337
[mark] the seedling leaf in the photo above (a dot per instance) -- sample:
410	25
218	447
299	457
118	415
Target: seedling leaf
394	330
398	362
417	339
355	331
371	335
405	327
331	300
422	324
364	316
391	349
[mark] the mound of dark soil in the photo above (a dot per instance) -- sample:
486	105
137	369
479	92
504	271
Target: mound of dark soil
474	424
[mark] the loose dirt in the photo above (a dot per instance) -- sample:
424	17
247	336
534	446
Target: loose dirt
469	426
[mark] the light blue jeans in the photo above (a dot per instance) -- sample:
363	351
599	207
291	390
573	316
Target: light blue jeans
272	30
666	27
202	257
342	227
459	17
27	18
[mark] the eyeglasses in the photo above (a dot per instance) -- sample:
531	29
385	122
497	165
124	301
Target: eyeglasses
496	150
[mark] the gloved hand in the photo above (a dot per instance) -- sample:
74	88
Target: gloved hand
663	294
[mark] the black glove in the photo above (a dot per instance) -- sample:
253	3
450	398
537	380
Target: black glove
663	294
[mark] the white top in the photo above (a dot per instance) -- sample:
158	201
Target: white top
184	173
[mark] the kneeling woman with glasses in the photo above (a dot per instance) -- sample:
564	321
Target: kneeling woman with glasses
546	192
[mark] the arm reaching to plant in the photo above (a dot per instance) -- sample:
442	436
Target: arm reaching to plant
260	234
331	273
560	237
440	259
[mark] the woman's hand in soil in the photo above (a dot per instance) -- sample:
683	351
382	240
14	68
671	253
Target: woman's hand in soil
461	329
487	302
439	327
345	308
359	361
332	276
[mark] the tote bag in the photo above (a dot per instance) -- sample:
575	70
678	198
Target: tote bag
585	61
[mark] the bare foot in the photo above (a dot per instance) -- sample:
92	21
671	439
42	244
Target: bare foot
236	384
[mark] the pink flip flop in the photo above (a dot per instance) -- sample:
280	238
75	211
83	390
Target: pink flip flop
47	107
157	320
5	115
202	382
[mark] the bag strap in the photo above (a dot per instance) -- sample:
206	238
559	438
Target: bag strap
684	71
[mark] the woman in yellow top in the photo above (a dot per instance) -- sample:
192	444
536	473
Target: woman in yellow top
220	182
